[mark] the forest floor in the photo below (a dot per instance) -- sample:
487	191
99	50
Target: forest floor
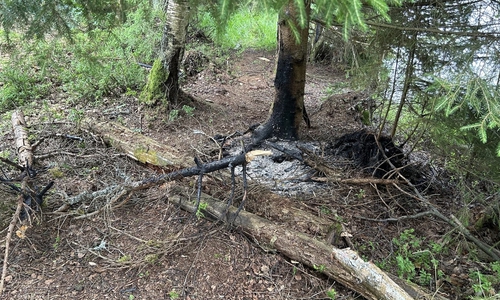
150	249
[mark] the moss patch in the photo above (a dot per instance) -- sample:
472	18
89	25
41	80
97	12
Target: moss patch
154	91
149	156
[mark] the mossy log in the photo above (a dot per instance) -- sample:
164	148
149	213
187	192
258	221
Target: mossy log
136	145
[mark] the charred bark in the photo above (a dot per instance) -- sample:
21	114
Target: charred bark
376	156
288	108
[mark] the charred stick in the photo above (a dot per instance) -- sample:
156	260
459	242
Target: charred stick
231	196
198	195
245	187
11	163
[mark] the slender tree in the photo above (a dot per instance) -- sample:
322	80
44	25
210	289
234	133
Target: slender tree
163	82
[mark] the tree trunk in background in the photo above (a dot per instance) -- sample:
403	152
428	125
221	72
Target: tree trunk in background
163	81
288	107
408	81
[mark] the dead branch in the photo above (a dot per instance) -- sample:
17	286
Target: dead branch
11	163
8	239
343	265
453	221
25	157
358	180
398	219
23	147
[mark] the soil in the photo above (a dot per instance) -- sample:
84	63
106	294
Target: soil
149	248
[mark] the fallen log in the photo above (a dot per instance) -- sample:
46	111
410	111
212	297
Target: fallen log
137	146
343	265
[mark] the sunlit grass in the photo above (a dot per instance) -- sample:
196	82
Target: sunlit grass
247	28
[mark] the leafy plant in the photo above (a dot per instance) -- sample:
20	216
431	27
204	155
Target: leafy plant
173	115
188	110
483	286
319	268
75	115
331	293
57	242
361	194
414	261
151	258
123	259
173	295
199	213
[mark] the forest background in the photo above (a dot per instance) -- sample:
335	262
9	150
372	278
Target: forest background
431	74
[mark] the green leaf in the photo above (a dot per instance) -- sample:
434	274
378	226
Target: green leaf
471	126
303	21
295	30
482	134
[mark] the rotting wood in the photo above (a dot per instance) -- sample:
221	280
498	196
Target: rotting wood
343	265
136	145
25	157
23	147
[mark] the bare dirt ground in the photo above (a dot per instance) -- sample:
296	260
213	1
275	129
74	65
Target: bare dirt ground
149	248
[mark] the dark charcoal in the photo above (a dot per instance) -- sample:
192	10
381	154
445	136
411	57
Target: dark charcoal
362	148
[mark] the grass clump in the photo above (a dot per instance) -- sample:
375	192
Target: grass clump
249	27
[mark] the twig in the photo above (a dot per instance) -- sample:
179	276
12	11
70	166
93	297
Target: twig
108	205
357	180
398	219
55	153
8	239
453	222
11	163
245	191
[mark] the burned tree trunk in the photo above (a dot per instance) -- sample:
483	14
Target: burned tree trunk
163	81
288	107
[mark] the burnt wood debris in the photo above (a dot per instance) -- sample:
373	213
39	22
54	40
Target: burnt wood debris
380	157
31	194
